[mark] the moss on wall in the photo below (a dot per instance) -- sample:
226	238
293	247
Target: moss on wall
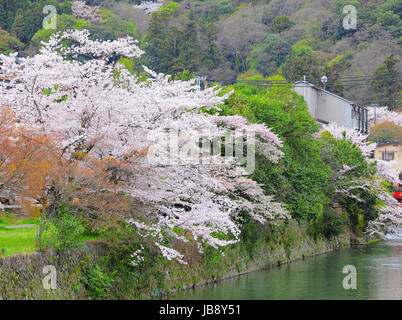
21	276
287	244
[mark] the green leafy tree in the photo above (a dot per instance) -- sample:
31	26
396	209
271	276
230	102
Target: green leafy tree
226	7
189	47
268	56
159	49
213	15
386	87
385	131
281	23
18	27
300	62
120	27
3	14
8	43
388	18
37	13
300	179
29	24
65	7
334	70
340	153
211	56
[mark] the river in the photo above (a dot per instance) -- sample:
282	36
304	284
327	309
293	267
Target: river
378	276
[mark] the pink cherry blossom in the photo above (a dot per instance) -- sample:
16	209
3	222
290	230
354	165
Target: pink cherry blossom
76	94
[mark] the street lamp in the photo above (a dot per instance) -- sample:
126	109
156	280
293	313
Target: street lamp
324	80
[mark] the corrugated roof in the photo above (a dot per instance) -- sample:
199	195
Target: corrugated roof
380	144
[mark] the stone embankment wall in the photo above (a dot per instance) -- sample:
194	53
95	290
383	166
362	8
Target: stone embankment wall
21	276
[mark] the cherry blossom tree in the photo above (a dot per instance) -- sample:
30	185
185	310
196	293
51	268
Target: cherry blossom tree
352	135
390	217
149	6
381	114
74	92
88	13
389	221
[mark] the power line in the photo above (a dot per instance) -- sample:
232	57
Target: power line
364	79
373	101
318	81
291	85
346	79
368	76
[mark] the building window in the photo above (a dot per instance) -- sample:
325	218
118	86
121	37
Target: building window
387	156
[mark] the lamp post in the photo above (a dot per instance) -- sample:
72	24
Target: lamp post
324	80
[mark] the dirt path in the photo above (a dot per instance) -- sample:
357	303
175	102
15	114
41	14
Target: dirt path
20	226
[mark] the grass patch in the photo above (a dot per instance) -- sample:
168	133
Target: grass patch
22	240
8	219
13	241
28	221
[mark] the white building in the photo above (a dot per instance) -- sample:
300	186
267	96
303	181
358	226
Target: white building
326	107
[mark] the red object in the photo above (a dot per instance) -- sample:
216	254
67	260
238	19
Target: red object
398	192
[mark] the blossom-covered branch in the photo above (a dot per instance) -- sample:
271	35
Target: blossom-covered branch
96	109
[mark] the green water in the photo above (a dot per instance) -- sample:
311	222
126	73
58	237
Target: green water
378	266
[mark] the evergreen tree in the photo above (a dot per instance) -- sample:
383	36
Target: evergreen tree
334	70
10	20
211	53
213	15
157	47
29	25
385	85
17	29
65	7
3	14
9	14
189	48
37	13
301	62
167	62
22	4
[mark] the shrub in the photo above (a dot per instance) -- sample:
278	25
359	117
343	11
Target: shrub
226	7
388	18
331	223
97	281
250	235
61	232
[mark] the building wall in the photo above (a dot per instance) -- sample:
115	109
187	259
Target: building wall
326	107
310	96
396	148
348	115
331	109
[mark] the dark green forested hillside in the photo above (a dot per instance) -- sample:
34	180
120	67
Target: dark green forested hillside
232	39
